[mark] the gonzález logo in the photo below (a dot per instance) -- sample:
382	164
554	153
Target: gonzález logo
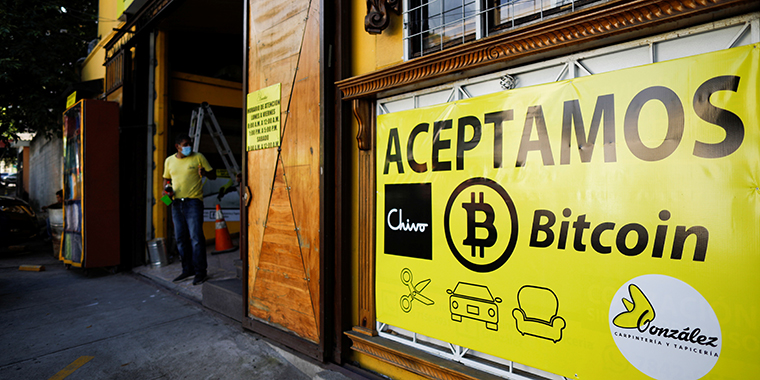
665	328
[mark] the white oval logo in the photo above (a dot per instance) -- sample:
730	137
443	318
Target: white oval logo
665	328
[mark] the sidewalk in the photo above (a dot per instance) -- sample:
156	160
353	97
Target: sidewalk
105	326
221	269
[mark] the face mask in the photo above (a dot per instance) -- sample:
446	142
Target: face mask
186	150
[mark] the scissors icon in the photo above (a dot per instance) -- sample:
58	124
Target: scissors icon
414	291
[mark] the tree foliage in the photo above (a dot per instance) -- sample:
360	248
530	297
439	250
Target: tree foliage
42	44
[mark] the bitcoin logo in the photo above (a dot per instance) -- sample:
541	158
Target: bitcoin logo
480	220
472	208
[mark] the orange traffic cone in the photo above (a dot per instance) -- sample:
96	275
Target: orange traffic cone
223	240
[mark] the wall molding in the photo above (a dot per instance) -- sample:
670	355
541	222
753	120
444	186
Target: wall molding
574	30
414	360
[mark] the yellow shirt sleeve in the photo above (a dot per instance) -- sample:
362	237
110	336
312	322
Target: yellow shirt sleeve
167	162
206	166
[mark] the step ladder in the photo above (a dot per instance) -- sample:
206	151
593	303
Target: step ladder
197	120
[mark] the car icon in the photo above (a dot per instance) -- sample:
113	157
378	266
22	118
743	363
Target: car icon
475	302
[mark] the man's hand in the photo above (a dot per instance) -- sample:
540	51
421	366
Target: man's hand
208	174
166	182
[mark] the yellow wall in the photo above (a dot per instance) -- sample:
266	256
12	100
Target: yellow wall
93	68
116	96
196	89
161	121
107	18
372	52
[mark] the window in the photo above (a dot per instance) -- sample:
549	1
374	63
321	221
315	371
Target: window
434	25
437	24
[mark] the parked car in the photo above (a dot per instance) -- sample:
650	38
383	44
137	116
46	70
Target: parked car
2	178
10	180
18	222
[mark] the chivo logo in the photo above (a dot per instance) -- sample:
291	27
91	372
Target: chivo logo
408	220
480	222
399	225
665	328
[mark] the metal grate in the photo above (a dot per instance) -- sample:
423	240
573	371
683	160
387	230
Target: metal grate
115	72
496	366
434	25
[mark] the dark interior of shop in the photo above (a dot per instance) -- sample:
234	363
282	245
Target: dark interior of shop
204	39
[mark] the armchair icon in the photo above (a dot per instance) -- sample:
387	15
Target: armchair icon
536	313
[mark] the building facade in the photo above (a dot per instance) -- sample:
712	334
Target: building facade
422	196
490	238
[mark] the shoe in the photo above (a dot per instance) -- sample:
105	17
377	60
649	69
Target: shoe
183	276
199	279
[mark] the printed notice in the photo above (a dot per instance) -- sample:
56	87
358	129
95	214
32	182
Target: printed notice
263	118
71	99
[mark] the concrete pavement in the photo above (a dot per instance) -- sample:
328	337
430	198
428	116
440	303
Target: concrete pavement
62	323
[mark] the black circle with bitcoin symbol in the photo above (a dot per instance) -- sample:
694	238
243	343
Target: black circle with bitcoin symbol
488	236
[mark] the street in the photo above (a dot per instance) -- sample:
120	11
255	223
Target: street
60	323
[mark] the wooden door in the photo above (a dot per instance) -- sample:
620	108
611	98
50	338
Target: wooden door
283	257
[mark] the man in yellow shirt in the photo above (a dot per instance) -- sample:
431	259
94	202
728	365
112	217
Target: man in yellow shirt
185	171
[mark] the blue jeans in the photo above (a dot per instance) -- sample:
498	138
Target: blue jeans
187	216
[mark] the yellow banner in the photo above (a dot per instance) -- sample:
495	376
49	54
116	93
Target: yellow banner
263	118
597	228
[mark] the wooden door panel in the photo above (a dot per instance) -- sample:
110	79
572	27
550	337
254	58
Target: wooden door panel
280	294
303	195
261	165
284	217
